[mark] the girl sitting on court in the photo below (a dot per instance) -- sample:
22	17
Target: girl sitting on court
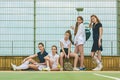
65	51
30	63
52	60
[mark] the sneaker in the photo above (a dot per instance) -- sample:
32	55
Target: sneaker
46	69
14	67
75	69
98	68
82	68
61	69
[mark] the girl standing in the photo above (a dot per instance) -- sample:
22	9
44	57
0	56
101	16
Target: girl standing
79	41
53	60
97	41
65	51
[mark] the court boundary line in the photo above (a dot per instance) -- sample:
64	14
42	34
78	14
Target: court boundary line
105	76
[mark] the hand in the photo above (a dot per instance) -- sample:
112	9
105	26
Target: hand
92	54
68	56
99	43
72	27
65	55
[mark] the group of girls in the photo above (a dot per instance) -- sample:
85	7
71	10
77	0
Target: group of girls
54	62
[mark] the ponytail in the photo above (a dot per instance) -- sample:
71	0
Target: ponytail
70	35
76	26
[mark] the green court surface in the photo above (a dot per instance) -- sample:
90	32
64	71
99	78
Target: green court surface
72	75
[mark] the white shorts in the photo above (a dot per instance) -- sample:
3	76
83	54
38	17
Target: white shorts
79	41
40	67
54	66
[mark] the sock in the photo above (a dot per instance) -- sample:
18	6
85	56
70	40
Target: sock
26	62
97	60
23	66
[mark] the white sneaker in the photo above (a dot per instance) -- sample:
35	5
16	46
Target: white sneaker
75	69
46	69
98	68
14	67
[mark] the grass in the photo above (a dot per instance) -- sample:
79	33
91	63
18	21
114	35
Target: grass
37	75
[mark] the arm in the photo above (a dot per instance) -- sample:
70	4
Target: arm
47	57
58	61
61	45
90	25
100	36
73	28
69	49
100	33
32	56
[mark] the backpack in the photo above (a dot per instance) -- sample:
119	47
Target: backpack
67	65
88	33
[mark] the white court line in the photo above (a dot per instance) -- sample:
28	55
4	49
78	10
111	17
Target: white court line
114	78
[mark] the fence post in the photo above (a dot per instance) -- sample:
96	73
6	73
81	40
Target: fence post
45	44
34	26
111	48
12	47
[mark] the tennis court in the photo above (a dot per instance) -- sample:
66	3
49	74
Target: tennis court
25	23
80	75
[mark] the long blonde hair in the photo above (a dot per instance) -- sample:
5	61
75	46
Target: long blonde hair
76	26
90	25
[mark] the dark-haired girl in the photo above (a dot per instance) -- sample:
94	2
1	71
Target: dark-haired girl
65	51
28	62
53	60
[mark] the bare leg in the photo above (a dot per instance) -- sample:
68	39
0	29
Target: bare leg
81	50
93	57
61	59
75	58
98	61
32	61
76	49
25	65
51	63
92	54
35	67
99	55
47	60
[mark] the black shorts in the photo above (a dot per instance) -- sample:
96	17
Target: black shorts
95	46
66	50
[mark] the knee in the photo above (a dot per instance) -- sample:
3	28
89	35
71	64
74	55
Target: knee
76	56
99	53
46	58
30	66
61	55
92	54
